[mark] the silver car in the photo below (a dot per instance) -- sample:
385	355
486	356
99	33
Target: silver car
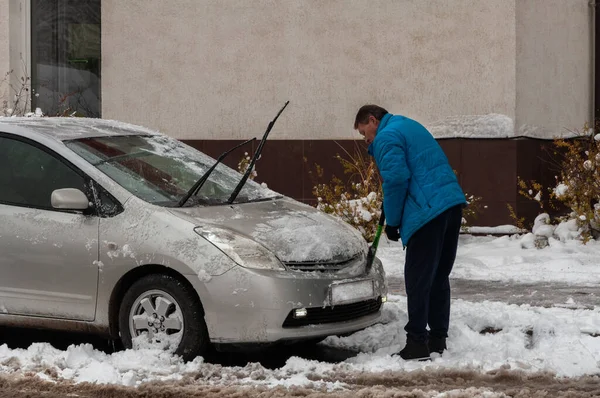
101	232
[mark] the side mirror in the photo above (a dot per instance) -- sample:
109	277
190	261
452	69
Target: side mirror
69	199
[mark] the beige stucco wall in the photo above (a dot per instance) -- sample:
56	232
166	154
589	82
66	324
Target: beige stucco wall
14	51
553	65
222	68
4	50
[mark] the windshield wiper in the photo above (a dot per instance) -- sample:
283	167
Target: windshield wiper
196	187
239	186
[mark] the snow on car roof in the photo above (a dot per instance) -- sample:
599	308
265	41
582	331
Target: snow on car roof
68	128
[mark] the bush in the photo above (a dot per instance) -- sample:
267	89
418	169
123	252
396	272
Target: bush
472	211
243	165
357	200
15	99
577	183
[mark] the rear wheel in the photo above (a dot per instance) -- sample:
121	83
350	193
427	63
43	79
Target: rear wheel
160	311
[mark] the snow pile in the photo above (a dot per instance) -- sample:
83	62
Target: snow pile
473	126
543	232
82	363
488	336
500	230
504	259
492	125
567	230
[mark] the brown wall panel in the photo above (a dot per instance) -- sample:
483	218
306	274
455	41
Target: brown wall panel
323	153
453	150
280	167
485	167
537	160
215	148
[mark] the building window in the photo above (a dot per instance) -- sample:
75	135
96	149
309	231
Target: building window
65	57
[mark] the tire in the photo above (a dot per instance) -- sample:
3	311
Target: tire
168	313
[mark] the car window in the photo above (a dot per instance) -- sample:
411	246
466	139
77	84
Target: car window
28	174
107	205
161	170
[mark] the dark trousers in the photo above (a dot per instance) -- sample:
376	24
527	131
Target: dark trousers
430	256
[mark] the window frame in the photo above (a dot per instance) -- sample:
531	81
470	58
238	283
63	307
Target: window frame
35	38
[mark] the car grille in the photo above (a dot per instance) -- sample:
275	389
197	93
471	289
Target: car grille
339	313
323	266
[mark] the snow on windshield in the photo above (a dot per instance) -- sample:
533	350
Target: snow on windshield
161	170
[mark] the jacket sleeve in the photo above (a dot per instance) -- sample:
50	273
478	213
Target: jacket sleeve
391	160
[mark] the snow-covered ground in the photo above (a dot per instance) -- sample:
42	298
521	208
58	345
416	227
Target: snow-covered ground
504	259
484	336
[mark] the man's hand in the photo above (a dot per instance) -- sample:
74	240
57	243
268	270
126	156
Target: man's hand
392	233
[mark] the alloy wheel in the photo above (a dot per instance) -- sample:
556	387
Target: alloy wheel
159	315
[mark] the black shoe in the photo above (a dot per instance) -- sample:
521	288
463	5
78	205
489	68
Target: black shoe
437	344
415	351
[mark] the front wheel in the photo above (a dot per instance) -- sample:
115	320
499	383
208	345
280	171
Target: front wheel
160	311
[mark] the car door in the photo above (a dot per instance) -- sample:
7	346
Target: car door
48	257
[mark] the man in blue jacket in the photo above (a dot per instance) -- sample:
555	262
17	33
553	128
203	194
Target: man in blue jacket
423	206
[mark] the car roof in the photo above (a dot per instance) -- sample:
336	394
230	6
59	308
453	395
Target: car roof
69	128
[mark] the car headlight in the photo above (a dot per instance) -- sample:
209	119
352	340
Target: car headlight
244	251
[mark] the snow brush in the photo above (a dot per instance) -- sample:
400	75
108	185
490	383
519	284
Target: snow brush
373	247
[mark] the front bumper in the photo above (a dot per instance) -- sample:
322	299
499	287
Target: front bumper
251	306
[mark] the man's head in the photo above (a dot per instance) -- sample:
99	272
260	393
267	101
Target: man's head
367	121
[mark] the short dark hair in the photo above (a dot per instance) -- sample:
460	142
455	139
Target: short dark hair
365	111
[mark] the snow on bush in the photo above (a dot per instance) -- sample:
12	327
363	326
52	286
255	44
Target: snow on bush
356	201
15	99
542	226
243	165
560	190
577	187
567	230
16	94
543	231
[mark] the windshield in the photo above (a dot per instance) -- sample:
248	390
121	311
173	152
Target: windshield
161	170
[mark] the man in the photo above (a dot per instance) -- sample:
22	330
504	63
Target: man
423	206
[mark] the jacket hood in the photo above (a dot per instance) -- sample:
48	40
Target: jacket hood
293	231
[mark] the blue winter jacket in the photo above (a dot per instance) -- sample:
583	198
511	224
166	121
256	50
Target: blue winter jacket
418	182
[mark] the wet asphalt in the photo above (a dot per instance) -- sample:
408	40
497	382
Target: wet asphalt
539	294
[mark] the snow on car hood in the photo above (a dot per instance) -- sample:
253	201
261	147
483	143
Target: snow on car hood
290	229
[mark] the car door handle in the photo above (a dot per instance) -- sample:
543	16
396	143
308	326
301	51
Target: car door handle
112	246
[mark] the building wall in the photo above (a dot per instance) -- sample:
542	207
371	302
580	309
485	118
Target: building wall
4	50
216	69
14	47
554	69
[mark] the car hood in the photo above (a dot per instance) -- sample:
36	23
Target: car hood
295	232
